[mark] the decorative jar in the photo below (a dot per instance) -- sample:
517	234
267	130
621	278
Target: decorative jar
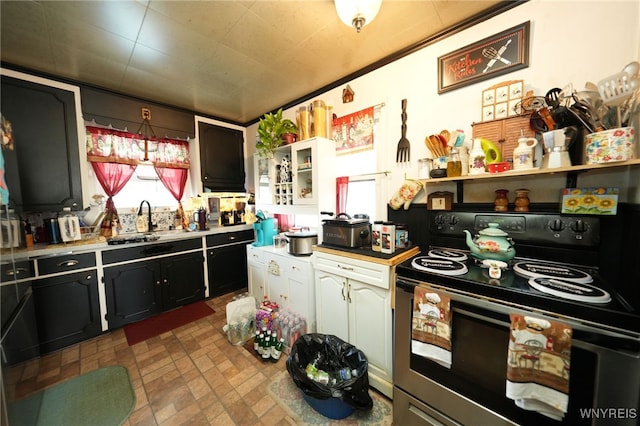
522	200
501	203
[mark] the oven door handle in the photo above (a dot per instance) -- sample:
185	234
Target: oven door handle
482	317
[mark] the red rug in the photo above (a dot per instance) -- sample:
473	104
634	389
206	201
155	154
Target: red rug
154	326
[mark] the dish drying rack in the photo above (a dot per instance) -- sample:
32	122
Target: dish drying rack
90	232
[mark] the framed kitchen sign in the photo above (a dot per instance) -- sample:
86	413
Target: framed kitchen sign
496	55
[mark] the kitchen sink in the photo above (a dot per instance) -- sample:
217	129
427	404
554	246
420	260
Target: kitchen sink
170	232
132	238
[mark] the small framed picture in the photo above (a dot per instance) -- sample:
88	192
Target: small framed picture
502	94
487	113
515	90
501	110
488	97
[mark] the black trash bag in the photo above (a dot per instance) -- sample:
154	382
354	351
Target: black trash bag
330	354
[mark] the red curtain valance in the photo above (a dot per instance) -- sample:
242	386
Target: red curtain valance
116	146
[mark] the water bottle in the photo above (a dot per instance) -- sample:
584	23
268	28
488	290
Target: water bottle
266	350
277	350
256	341
261	344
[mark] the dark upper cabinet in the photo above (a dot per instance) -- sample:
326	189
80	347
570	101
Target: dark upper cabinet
221	158
43	170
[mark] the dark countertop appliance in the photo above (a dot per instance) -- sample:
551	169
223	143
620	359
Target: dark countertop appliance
603	364
345	231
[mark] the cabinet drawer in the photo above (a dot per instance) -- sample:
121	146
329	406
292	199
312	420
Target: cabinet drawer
370	273
23	269
230	238
255	254
297	268
150	250
65	263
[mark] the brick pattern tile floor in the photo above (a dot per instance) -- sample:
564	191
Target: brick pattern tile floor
191	375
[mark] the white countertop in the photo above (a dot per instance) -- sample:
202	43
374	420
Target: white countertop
40	250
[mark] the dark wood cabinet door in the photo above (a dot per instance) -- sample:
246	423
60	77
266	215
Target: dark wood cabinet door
43	170
67	309
221	158
182	280
227	268
133	292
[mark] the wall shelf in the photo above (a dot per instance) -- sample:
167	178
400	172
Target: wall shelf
518	173
572	173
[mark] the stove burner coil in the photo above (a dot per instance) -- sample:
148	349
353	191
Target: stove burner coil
439	266
570	290
534	269
458	256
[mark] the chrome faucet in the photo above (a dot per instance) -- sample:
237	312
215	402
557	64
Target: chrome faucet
150	222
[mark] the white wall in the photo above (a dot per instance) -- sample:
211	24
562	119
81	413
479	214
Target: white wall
571	41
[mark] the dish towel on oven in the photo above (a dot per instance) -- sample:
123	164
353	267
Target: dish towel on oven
538	365
430	325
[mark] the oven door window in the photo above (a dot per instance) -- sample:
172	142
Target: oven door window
479	366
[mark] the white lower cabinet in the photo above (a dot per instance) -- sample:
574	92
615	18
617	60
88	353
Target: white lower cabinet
353	302
284	279
256	272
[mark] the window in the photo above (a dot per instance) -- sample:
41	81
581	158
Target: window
361	197
143	185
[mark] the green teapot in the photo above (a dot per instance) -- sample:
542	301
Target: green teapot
491	243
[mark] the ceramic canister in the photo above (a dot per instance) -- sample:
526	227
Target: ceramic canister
610	145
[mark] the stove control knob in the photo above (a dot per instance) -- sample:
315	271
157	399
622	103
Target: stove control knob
439	219
556	225
579	226
453	220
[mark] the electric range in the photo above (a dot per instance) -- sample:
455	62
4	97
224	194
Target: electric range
554	270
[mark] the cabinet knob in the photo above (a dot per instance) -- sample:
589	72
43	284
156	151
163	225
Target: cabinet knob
89	277
158	282
165	281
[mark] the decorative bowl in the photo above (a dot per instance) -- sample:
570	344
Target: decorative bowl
502	166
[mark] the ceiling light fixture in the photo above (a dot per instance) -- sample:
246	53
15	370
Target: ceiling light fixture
357	13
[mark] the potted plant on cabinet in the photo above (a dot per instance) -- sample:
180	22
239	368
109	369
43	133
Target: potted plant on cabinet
271	131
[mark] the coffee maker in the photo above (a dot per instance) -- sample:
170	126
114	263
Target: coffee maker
556	146
265	229
213	208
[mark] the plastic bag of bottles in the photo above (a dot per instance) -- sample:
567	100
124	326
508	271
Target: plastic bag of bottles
241	313
289	326
324	366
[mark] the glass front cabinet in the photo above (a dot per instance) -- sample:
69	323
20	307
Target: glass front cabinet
293	177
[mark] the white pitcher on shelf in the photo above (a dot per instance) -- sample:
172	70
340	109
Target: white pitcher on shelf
523	153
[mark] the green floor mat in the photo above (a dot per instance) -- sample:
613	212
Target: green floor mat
102	397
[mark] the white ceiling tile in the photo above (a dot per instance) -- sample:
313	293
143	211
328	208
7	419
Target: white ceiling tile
234	60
